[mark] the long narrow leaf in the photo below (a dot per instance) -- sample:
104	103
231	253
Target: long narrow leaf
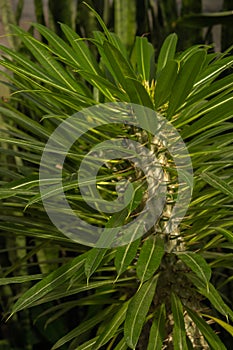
197	264
213	340
150	258
137	311
157	332
49	283
112	327
179	333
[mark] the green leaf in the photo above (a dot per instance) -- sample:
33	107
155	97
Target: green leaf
144	57
49	283
59	46
207	331
112	327
226	233
179	333
85	57
104	86
218	183
20	279
167	51
42	54
121	345
137	93
223	324
157	332
164	83
93	260
197	264
116	63
137	311
84	327
27	123
88	345
185	80
101	22
150	258
125	255
212	294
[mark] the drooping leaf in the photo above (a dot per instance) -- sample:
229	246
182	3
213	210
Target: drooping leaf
137	311
47	61
150	258
179	333
157	331
213	340
197	264
218	114
223	324
211	293
49	283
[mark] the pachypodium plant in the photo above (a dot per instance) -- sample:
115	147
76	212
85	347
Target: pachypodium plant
164	290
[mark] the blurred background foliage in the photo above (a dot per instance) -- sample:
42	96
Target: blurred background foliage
195	21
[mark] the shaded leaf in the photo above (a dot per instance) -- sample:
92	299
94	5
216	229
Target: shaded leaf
164	83
112	327
185	80
137	311
121	345
167	51
49	283
83	327
19	279
223	324
207	331
116	63
212	294
157	331
179	333
217	183
226	233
